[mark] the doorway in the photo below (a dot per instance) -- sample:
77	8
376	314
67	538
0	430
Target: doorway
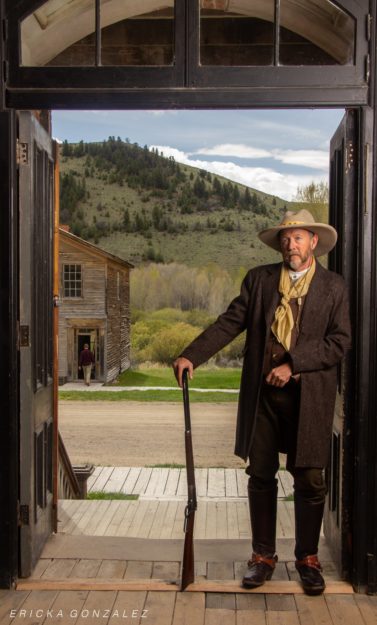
87	336
194	86
337	461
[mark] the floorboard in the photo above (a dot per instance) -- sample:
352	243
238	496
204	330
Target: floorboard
93	578
368	608
343	609
160	607
97	603
189	609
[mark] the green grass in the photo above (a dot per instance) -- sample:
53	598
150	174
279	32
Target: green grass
164	376
289	498
98	494
164	396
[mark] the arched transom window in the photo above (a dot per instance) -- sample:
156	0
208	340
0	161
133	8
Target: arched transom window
231	33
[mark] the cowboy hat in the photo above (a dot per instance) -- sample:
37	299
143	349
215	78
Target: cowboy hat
327	235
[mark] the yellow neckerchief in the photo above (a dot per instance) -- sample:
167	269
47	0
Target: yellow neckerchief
283	323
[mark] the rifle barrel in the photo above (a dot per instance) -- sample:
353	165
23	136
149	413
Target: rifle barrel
188	563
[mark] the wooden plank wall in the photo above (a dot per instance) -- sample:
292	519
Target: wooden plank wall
118	321
93	300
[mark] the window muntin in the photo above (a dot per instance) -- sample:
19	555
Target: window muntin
63	33
237	35
275	32
72	280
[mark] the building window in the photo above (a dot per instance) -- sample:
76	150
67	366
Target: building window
72	280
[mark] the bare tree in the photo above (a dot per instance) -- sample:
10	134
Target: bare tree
314	192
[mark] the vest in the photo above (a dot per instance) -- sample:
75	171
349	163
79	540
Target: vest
275	353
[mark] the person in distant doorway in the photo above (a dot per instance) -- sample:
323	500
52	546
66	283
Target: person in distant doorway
297	324
86	362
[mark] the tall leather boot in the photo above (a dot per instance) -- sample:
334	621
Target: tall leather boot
308	517
263	510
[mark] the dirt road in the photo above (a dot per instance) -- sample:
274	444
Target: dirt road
145	433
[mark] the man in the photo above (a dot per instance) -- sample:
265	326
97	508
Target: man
296	318
85	363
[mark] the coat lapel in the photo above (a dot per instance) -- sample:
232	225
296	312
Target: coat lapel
315	299
271	295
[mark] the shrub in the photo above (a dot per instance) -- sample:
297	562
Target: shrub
169	342
168	315
199	318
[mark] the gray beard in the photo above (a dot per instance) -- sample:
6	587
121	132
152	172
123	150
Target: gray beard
294	264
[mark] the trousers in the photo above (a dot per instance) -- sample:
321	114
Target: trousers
87	369
276	432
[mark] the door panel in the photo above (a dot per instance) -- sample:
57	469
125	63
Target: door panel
343	216
36	203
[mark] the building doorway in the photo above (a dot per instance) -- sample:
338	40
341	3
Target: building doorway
87	336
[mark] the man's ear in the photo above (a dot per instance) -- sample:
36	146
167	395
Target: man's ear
314	241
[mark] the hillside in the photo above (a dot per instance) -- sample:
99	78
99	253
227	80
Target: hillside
142	206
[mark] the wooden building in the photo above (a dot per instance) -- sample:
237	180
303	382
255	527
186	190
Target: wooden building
94	309
186	54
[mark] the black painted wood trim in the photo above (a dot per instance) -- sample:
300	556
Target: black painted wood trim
144	99
9	379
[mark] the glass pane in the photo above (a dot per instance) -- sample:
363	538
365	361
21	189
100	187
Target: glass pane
62	33
141	36
315	32
237	33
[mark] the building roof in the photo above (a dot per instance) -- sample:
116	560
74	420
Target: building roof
92	249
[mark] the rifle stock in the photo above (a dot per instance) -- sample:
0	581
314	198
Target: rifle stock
188	563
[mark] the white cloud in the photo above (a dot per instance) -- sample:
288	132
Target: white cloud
262	178
315	159
294	131
238	150
167	151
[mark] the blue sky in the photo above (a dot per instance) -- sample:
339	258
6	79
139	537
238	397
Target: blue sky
271	150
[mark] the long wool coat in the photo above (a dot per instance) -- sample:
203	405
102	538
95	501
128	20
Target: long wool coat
323	340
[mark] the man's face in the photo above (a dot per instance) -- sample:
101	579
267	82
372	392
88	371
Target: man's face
297	247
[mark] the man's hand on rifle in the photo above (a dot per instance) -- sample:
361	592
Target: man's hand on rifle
179	366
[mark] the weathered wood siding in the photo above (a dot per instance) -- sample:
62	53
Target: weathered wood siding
63	355
105	303
93	300
118	321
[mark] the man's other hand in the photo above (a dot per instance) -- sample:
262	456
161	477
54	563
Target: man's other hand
279	376
179	366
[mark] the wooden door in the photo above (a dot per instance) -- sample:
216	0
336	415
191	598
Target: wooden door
344	153
36	211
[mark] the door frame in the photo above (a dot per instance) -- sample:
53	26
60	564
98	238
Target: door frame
363	571
9	369
36	355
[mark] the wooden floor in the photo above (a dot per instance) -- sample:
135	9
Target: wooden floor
160	483
112	543
166	608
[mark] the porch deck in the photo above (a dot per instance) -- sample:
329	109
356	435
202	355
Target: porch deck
119	560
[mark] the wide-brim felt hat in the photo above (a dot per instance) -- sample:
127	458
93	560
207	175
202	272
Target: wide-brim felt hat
327	235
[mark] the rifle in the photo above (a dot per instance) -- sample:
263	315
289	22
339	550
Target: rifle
188	572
